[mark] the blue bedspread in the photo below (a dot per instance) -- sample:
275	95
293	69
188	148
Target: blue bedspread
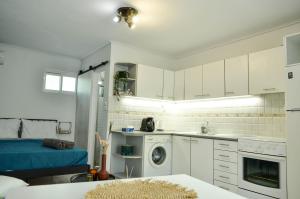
23	154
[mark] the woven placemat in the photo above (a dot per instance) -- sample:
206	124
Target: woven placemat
141	189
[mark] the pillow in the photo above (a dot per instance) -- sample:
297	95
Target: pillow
9	128
39	129
9	183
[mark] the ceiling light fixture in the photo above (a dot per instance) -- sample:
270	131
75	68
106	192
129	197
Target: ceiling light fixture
128	14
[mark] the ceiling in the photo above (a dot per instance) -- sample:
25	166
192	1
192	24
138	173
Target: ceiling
168	27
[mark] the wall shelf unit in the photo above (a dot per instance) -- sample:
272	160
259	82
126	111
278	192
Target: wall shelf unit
119	163
125	86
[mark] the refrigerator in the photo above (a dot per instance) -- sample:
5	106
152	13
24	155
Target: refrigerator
293	130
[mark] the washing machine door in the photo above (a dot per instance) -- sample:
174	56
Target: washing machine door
157	155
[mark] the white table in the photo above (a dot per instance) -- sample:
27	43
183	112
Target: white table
78	190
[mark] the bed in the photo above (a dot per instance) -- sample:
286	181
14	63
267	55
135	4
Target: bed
27	158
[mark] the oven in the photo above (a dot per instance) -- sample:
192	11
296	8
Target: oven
262	174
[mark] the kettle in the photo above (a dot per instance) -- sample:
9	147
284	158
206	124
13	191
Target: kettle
148	124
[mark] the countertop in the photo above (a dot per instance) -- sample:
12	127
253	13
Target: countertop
230	137
217	136
78	190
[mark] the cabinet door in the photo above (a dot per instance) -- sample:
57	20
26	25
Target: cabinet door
181	155
149	82
193	83
236	76
168	90
266	71
202	164
213	79
179	85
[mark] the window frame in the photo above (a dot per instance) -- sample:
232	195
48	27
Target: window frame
61	75
60	82
68	92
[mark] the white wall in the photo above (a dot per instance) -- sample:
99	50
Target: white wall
21	85
255	43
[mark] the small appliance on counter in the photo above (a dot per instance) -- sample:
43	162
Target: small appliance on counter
148	124
128	129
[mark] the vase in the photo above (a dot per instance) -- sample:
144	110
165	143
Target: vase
103	174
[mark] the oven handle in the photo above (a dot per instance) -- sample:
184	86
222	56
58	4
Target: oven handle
262	157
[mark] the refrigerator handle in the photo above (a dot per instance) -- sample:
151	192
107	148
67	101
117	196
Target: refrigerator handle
293	110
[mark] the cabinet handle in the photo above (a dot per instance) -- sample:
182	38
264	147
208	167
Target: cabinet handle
187	140
224	156
269	89
195	141
223	166
170	97
224	177
223	144
229	93
225	188
294	109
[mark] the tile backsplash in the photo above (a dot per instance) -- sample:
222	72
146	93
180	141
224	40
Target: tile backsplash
262	115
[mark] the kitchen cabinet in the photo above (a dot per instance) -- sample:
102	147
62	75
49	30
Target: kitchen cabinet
150	82
179	85
193	83
266	71
193	156
213	79
181	160
236	76
202	159
168	87
225	164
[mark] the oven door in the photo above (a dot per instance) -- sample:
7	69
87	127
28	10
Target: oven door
262	174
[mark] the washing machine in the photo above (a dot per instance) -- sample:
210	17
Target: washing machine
157	155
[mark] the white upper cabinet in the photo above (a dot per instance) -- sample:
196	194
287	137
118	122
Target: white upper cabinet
213	79
179	85
150	82
236	76
266	71
168	89
193	83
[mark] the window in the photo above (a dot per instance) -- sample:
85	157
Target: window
52	82
59	83
68	84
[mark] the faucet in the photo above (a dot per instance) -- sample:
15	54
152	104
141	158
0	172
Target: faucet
204	128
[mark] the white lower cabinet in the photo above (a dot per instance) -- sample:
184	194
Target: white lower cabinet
202	159
193	156
225	165
181	160
226	186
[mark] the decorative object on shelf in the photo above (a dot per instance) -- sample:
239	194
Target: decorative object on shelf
128	14
103	174
150	189
121	84
127	149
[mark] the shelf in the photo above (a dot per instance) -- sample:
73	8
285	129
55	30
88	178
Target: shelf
127	79
127	156
121	175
